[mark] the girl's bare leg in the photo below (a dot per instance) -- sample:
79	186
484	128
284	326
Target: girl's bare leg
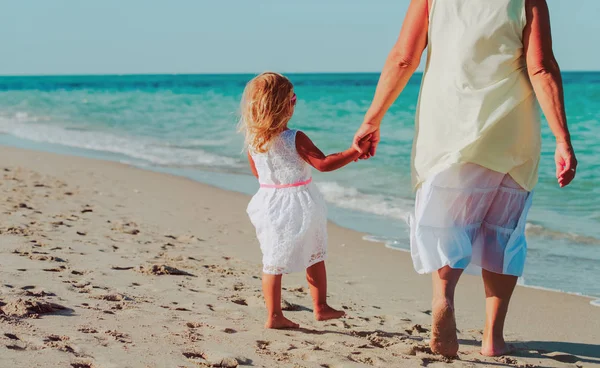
317	280
272	292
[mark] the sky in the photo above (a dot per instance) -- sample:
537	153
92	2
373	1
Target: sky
41	37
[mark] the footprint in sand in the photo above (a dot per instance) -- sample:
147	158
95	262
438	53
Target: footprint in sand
220	270
162	270
21	231
41	257
82	365
82	287
37	293
55	269
116	268
59	224
199	325
24	205
216	361
194	355
51	338
15	347
425	361
130	228
60	343
167	245
413	350
114	297
239	301
184	238
119	336
357	357
30	308
507	360
11	336
290	307
416	329
262	344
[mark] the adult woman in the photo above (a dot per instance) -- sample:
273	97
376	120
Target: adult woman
477	144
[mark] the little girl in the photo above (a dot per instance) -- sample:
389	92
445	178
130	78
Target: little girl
288	212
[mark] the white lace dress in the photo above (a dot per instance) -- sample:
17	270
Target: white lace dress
291	223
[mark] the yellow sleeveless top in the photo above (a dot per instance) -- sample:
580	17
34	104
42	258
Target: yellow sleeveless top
477	104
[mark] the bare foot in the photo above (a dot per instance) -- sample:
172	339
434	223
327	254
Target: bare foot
443	329
325	313
279	322
495	347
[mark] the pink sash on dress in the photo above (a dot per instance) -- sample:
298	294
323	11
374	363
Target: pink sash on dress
280	186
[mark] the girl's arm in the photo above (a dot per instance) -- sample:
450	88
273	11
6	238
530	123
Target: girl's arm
252	166
317	159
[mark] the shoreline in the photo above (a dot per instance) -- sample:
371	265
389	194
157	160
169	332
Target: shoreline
245	190
87	231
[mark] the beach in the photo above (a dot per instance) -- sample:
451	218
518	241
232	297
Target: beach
186	125
106	265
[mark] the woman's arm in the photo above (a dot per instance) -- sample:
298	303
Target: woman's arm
252	165
400	65
317	159
546	79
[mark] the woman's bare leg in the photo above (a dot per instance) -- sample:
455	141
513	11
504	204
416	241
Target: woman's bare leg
498	290
316	275
443	330
272	292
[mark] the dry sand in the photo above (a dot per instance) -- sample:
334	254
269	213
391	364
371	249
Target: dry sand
104	265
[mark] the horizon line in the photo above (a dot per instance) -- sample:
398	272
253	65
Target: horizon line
219	74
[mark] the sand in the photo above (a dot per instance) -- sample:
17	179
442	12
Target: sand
104	265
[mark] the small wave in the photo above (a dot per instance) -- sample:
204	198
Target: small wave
351	198
388	242
522	282
538	230
143	149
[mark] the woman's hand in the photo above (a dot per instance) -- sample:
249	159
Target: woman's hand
566	163
369	132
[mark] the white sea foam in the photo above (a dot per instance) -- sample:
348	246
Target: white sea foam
351	198
145	149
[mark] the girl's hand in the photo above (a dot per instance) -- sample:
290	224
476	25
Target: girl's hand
367	132
365	146
566	163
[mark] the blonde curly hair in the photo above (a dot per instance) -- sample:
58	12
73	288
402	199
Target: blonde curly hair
267	106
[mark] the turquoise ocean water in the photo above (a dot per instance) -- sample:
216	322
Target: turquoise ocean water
186	125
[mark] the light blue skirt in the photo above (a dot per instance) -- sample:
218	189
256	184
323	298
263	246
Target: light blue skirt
470	215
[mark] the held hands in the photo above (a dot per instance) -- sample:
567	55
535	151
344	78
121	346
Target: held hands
566	163
364	146
367	133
